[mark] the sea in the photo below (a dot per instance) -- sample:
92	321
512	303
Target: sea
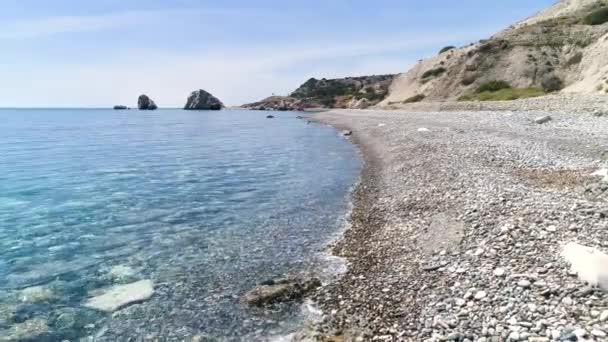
205	205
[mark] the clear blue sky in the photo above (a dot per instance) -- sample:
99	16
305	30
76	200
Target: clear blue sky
106	52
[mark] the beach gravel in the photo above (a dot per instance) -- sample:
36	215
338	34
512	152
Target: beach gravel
458	230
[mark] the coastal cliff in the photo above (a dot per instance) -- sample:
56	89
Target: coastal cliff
563	48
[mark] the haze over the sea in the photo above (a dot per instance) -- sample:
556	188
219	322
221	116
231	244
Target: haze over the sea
94	54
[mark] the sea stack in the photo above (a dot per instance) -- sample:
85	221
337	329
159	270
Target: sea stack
202	100
145	103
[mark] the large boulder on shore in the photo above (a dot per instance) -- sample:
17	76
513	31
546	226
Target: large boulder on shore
280	290
202	100
145	103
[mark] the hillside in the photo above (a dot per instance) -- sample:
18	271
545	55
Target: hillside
350	92
562	48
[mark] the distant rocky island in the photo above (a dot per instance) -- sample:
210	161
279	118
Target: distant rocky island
145	103
350	92
198	100
202	100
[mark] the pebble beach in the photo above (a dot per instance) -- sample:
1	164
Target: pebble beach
472	226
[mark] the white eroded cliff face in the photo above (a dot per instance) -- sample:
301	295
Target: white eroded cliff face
555	44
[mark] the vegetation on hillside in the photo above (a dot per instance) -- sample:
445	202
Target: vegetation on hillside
415	98
433	73
492	86
446	49
506	94
597	17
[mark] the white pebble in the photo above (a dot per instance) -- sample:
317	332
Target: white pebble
480	295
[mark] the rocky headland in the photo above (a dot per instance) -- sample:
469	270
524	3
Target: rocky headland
202	100
350	92
145	103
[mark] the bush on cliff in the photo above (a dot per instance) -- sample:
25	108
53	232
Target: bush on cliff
415	98
433	73
446	49
598	17
506	94
493	86
552	83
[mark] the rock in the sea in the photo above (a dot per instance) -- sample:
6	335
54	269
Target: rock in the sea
202	100
543	119
280	290
590	264
120	107
269	116
122	274
30	330
145	103
37	294
120	296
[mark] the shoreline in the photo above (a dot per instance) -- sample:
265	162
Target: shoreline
422	263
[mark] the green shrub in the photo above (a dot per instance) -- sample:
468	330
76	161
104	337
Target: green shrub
576	59
446	49
493	86
506	94
598	17
552	83
415	98
433	73
468	79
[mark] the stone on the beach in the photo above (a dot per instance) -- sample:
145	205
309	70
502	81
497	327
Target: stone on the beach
480	295
601	173
590	264
543	119
423	130
524	283
604	316
280	290
145	103
499	272
37	294
202	100
347	133
120	296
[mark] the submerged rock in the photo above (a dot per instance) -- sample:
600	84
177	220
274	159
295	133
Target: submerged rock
269	116
122	274
120	296
280	290
37	294
145	103
30	330
120	107
202	100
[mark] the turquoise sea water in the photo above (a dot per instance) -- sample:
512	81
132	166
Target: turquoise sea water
205	205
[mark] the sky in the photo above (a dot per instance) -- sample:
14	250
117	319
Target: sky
75	53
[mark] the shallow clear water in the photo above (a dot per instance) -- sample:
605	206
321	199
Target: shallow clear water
205	205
